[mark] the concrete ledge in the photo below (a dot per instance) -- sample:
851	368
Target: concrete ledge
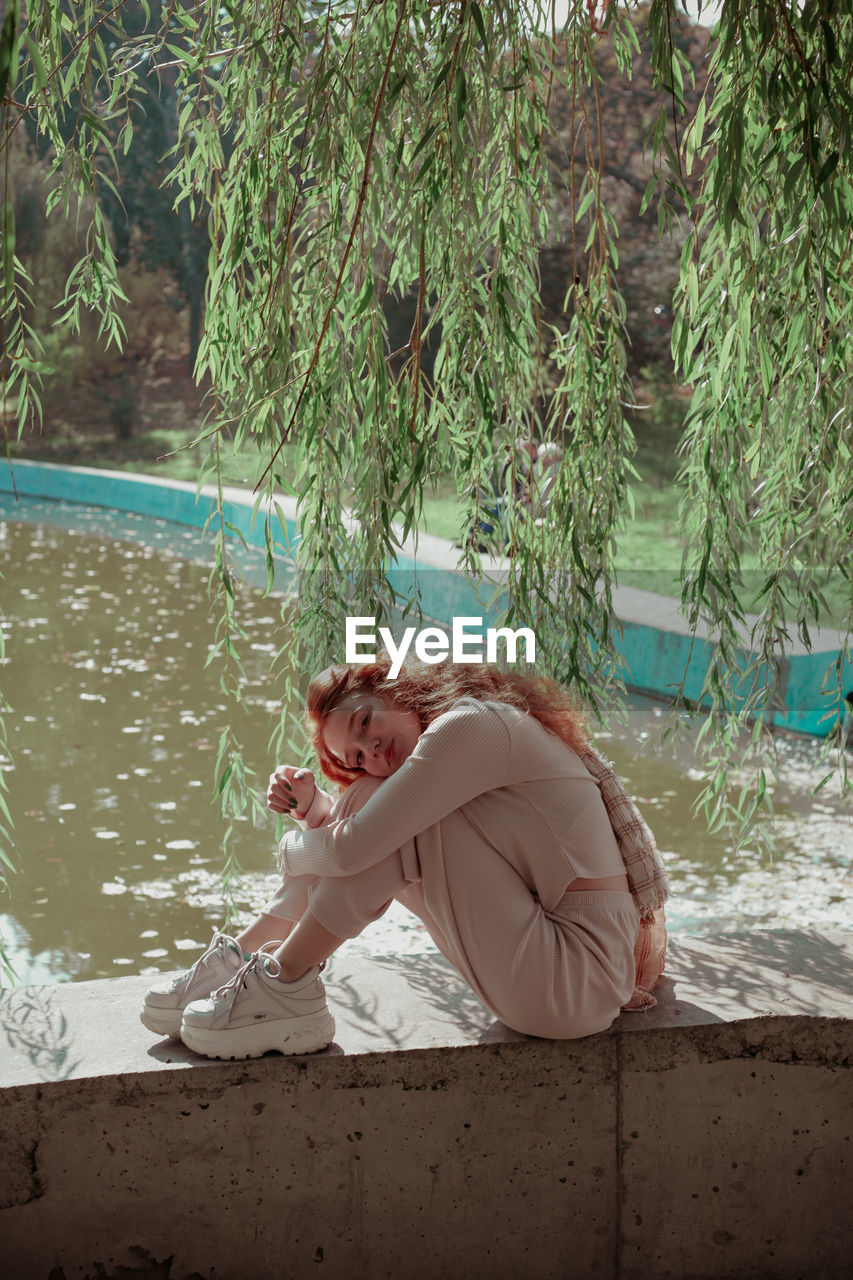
710	1137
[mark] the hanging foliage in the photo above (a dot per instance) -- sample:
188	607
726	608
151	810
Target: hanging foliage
762	327
347	153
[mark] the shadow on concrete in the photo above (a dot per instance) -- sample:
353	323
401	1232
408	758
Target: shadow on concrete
446	993
437	985
380	1024
36	1028
766	973
170	1051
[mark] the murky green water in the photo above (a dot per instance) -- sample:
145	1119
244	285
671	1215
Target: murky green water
113	733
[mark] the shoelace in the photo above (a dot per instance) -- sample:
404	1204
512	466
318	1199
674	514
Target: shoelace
186	980
230	992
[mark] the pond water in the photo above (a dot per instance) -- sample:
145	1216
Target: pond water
113	732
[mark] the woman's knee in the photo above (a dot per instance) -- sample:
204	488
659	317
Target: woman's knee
355	797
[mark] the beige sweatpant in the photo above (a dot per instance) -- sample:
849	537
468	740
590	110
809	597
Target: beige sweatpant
559	974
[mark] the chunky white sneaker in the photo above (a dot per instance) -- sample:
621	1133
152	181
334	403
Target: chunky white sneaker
256	1012
164	1004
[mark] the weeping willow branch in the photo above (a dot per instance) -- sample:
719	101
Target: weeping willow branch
362	196
761	331
237	789
350	155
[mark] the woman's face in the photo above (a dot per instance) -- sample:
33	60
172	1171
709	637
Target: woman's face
366	732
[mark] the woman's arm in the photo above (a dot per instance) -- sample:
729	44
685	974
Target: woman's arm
462	754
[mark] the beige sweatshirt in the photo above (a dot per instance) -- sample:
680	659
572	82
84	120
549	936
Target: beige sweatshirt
520	787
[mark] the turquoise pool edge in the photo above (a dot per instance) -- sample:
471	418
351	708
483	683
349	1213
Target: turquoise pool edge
656	643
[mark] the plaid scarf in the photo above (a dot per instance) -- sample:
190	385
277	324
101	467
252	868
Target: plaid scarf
647	878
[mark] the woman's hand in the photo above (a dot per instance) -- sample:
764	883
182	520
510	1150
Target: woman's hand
291	790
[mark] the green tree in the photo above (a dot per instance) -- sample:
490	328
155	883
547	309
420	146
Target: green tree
148	231
351	152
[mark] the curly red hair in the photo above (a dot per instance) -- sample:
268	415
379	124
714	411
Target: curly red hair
429	691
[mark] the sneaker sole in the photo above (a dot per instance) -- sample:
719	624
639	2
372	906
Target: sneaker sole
282	1035
163	1022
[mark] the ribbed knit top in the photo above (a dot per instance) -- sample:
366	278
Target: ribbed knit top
518	785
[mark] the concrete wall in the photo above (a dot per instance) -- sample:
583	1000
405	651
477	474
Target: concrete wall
698	1140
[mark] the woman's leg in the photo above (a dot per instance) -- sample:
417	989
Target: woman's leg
308	945
263	929
278	1001
291	916
558	974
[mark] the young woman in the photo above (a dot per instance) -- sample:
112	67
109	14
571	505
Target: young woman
472	796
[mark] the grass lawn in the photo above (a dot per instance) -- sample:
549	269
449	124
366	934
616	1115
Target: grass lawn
649	548
649	552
